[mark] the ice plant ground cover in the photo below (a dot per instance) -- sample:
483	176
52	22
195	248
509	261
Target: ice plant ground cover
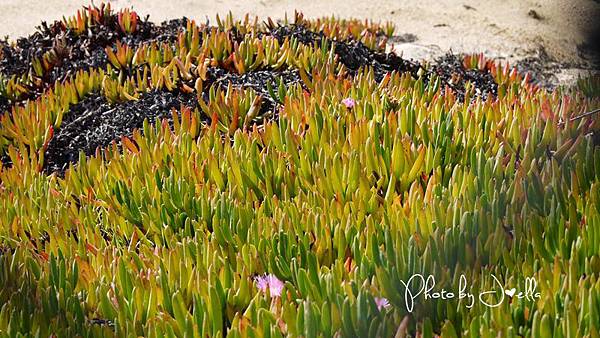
261	179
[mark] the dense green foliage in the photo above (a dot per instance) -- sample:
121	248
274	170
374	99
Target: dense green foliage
342	200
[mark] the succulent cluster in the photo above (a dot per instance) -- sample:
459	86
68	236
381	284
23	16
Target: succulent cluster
299	206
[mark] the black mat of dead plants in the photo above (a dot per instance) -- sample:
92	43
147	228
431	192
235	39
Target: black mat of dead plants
94	122
353	54
70	52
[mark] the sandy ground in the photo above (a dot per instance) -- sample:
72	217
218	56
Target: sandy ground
555	37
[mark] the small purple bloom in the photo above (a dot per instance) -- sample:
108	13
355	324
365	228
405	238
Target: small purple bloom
261	283
275	286
271	282
349	102
381	303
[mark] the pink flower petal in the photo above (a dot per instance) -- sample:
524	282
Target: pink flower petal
261	283
381	303
271	282
275	286
349	102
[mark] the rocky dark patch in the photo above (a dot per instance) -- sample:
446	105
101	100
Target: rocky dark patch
94	123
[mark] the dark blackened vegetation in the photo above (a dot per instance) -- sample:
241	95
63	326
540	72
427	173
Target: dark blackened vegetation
16	58
298	32
94	122
101	322
354	55
451	71
79	51
65	51
5	159
259	81
351	53
4	104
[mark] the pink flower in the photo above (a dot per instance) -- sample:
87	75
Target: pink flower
271	282
381	303
262	283
349	102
